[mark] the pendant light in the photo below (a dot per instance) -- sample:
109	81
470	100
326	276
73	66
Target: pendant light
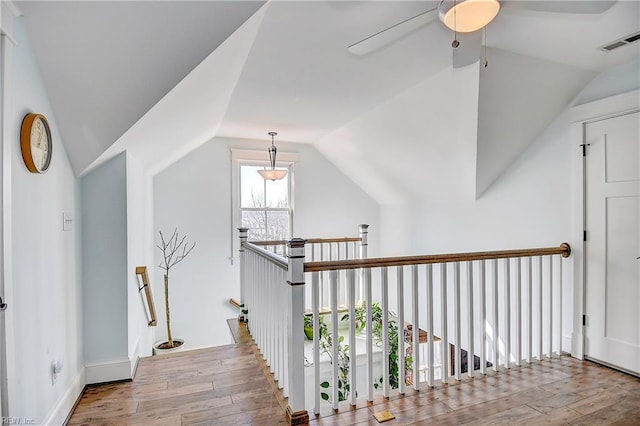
272	173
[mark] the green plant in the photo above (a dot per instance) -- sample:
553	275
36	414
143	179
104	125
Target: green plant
377	329
308	326
325	343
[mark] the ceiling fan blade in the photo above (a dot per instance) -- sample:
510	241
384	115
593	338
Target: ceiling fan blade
392	33
583	7
469	50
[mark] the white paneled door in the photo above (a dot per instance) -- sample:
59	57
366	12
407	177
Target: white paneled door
612	333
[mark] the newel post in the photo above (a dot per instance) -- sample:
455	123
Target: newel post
364	244
296	412
243	276
364	233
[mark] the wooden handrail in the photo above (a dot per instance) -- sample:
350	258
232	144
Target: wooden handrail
564	250
235	303
309	241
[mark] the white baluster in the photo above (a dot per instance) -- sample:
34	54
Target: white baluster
483	316
518	305
496	324
315	309
401	372
559	322
456	314
530	309
550	337
430	352
470	319
415	327
540	308
507	317
335	339
369	337
351	278
445	335
384	279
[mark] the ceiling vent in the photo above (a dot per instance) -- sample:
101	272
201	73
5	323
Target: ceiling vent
620	42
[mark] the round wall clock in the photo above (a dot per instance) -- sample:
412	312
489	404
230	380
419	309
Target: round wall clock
35	143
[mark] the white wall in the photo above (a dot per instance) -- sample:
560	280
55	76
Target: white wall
104	242
47	292
528	205
139	253
116	209
194	195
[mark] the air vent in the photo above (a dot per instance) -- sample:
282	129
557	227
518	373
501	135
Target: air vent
620	42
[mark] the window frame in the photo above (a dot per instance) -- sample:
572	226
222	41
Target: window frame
240	157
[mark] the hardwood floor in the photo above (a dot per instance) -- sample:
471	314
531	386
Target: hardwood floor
228	385
225	385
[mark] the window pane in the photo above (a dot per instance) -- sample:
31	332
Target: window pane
278	193
256	222
277	225
252	187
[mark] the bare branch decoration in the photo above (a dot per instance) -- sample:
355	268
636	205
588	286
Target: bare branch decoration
174	250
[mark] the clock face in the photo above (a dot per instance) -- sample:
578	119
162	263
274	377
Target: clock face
40	144
35	143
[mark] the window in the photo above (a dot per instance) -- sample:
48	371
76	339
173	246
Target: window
265	206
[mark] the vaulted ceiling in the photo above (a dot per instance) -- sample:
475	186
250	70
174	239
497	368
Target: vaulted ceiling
161	78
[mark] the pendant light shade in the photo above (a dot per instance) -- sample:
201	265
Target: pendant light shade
465	16
272	173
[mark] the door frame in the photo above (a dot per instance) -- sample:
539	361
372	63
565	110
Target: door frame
582	115
8	383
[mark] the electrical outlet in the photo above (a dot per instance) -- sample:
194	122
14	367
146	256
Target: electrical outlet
56	368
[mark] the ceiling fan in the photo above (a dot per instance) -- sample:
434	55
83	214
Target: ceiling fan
467	18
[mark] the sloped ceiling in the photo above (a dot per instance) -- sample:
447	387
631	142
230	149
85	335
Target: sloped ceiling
106	63
289	71
519	96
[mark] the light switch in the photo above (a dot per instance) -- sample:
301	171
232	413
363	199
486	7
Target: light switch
67	221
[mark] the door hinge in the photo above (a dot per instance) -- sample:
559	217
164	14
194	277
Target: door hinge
584	320
584	235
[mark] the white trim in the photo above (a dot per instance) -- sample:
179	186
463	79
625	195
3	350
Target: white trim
135	356
8	12
13	7
109	371
263	156
7	365
580	116
62	410
566	343
238	156
603	108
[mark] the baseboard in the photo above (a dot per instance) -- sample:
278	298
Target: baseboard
109	371
62	411
135	357
566	343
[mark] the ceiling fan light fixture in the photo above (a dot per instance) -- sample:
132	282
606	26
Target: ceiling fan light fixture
465	16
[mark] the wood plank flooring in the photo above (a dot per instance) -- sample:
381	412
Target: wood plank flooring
228	385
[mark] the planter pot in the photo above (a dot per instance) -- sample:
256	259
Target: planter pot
178	346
